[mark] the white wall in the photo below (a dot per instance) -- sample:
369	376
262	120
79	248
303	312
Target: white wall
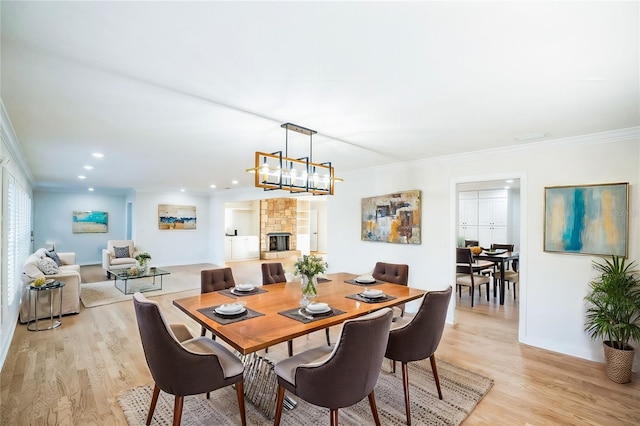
52	222
176	246
552	285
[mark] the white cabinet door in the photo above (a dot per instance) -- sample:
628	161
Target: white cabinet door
488	235
228	248
492	211
468	212
467	233
252	247
239	249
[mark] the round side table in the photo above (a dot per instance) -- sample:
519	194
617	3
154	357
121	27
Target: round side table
32	324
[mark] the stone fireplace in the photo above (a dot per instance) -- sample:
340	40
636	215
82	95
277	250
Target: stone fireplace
278	227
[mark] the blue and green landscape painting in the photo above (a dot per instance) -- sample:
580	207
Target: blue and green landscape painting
90	221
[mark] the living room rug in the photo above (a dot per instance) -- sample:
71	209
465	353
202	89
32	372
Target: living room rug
461	390
105	292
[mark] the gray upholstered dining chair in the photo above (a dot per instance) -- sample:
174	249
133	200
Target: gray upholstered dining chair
182	365
392	273
465	277
507	247
341	376
214	280
418	338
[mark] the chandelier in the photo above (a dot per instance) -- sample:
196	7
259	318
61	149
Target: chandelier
276	171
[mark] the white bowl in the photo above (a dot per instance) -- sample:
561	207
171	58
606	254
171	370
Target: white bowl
317	307
245	287
365	279
230	308
371	292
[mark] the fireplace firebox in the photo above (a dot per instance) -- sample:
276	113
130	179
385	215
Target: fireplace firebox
279	241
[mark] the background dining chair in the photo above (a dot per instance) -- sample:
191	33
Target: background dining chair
341	376
392	273
507	266
214	280
181	365
418	338
471	243
273	273
465	277
512	276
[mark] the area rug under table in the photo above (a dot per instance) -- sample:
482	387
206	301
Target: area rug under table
105	292
461	390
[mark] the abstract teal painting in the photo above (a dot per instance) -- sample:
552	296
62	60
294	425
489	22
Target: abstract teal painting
89	222
587	219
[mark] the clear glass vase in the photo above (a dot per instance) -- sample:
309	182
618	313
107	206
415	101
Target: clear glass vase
309	290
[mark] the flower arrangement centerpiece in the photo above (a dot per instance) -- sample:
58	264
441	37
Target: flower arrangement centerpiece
143	260
309	267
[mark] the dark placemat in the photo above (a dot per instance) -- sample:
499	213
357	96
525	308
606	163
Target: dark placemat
255	291
209	313
372	300
307	318
354	282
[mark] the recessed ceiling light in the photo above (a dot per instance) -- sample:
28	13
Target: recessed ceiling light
88	167
507	187
97	155
90	189
509	181
235	182
81	177
182	190
212	186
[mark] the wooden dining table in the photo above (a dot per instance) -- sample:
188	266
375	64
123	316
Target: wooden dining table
260	332
501	259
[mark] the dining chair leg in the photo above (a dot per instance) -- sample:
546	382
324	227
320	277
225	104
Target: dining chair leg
279	403
334	417
471	290
393	366
152	406
208	395
290	347
203	331
177	410
487	292
434	368
374	408
326	330
405	384
240	395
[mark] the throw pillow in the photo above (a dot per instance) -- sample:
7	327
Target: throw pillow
121	251
48	266
53	255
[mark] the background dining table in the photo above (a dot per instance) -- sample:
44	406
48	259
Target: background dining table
500	259
272	327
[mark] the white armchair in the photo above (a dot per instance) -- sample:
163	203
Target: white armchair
112	259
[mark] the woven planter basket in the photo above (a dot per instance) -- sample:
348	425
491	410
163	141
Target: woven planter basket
619	363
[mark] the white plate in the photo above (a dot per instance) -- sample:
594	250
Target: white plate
317	308
230	309
245	287
328	309
372	294
365	279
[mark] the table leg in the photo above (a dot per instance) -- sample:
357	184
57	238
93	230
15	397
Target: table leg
502	282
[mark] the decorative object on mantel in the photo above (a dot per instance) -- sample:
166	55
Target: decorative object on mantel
309	267
144	260
275	171
587	219
392	218
614	314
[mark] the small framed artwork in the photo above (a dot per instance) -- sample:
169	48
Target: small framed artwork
176	217
587	219
392	218
91	221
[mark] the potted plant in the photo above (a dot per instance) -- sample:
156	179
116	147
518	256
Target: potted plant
614	314
309	267
143	260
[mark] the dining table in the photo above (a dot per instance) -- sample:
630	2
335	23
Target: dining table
272	312
500	258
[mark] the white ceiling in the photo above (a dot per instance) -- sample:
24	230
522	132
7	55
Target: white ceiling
181	94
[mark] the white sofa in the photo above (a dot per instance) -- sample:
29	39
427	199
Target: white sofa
69	274
111	262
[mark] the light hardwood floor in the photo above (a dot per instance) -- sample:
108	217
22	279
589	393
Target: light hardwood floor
71	375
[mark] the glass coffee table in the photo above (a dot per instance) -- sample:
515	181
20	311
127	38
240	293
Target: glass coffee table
131	283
